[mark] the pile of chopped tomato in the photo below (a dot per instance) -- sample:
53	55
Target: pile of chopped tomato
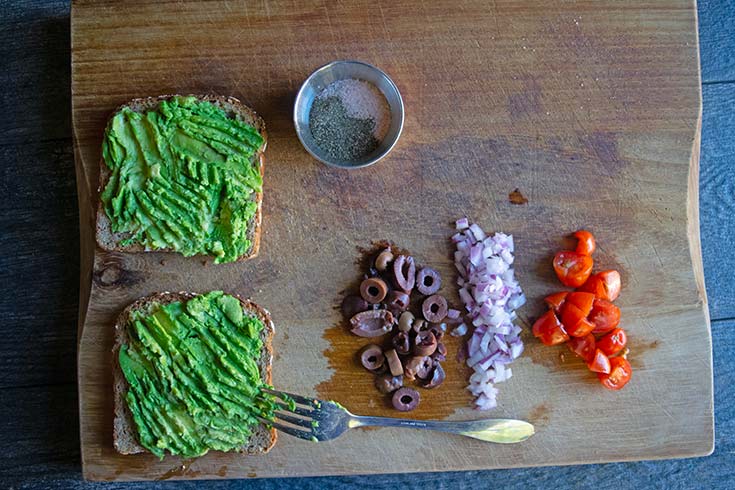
586	319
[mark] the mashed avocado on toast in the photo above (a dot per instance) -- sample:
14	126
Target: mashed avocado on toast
183	177
193	377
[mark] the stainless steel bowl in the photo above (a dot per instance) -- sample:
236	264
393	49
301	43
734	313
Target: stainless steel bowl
340	70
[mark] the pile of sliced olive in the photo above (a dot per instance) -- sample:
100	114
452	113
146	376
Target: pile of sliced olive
408	346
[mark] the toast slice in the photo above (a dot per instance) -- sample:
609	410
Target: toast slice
110	241
125	438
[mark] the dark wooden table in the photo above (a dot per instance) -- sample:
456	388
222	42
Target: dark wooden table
40	265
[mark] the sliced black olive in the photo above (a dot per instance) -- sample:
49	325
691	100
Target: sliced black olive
383	259
404	272
437	331
394	362
406	399
401	343
420	325
437	376
434	308
372	323
428	281
352	305
387	383
371	357
405	321
397	302
440	354
373	290
424	344
418	367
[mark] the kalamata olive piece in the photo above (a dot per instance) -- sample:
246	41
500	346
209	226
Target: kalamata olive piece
387	383
420	325
373	290
371	357
383	259
405	321
434	308
397	302
437	331
418	367
437	376
428	281
406	399
372	323
394	362
404	272
440	354
401	343
352	305
424	344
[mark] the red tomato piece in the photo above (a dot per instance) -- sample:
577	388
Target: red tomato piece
549	330
619	375
556	300
574	321
572	268
604	285
604	316
581	300
599	363
584	347
586	242
613	342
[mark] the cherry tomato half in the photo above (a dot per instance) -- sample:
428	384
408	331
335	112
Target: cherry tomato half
619	375
574	314
572	268
586	244
581	300
604	285
599	363
604	315
584	347
613	342
549	330
556	300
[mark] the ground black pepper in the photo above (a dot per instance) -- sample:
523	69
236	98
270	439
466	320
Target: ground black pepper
340	135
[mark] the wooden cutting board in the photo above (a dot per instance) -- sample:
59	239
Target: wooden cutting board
590	109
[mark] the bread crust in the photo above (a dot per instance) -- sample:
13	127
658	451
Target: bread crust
125	439
110	241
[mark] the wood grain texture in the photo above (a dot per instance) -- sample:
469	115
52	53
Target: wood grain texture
498	97
717	39
717	196
41	263
35	73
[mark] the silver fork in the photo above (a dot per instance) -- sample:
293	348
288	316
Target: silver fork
319	420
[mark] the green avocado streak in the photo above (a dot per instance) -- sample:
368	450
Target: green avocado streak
194	382
183	177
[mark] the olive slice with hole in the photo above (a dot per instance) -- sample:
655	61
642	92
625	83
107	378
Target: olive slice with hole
371	357
424	344
387	383
402	343
406	399
428	281
372	323
434	308
437	376
418	367
404	272
373	290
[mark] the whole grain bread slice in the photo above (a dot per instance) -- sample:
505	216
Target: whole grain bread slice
125	438
110	241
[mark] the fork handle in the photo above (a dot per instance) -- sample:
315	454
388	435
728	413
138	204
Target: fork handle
503	431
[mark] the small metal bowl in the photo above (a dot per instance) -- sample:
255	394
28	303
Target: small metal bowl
340	70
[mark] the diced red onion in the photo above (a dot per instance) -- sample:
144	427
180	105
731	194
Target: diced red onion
491	294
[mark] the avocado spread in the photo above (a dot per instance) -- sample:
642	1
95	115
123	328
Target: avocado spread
183	177
193	377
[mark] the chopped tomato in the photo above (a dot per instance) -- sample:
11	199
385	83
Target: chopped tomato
575	320
556	300
619	375
604	285
581	300
599	363
584	347
549	330
572	268
613	342
604	315
586	244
